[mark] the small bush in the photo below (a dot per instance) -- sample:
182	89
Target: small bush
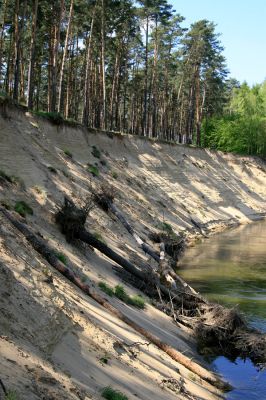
93	170
121	294
40	190
104	360
68	153
96	152
23	208
114	174
137	301
111	394
106	288
104	163
6	204
62	257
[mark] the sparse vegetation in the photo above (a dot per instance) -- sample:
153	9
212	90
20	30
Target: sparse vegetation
6	204
11	395
68	153
121	294
11	178
40	190
111	394
96	152
62	257
23	208
114	174
104	163
93	170
104	360
106	288
54	117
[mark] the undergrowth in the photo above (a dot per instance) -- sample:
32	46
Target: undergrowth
93	170
120	292
23	208
111	394
62	257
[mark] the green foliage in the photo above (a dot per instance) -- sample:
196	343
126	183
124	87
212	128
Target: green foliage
242	128
62	257
164	226
96	152
23	208
11	178
11	395
106	288
68	153
54	117
93	170
114	174
111	394
120	292
137	301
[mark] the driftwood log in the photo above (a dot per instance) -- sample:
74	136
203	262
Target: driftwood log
41	246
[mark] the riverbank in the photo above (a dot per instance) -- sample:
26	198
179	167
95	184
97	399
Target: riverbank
76	347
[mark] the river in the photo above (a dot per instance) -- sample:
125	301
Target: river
230	268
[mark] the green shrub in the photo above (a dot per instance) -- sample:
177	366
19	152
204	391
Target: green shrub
106	288
68	153
23	208
137	301
93	170
62	257
164	226
95	152
111	394
121	294
114	174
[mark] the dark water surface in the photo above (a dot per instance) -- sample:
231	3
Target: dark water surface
230	268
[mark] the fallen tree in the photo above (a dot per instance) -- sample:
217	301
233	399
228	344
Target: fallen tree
105	199
42	247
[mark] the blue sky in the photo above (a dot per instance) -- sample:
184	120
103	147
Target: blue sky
242	24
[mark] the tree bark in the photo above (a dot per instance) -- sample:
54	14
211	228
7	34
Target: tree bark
61	78
32	57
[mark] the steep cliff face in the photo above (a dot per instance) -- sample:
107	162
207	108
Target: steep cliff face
55	342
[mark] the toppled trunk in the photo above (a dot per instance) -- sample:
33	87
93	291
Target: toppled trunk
49	254
72	220
105	199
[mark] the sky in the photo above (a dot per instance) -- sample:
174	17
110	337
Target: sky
242	24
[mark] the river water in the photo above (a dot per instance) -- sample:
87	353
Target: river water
230	269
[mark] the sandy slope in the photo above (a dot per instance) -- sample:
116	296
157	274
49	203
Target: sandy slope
53	339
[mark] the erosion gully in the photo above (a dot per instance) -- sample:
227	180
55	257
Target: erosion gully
230	269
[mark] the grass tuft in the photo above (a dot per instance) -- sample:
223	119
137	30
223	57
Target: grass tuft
114	174
54	117
111	394
93	170
23	208
137	301
68	153
11	395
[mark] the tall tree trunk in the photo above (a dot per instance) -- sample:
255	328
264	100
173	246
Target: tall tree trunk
31	71
16	51
2	33
61	79
86	96
145	104
103	119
